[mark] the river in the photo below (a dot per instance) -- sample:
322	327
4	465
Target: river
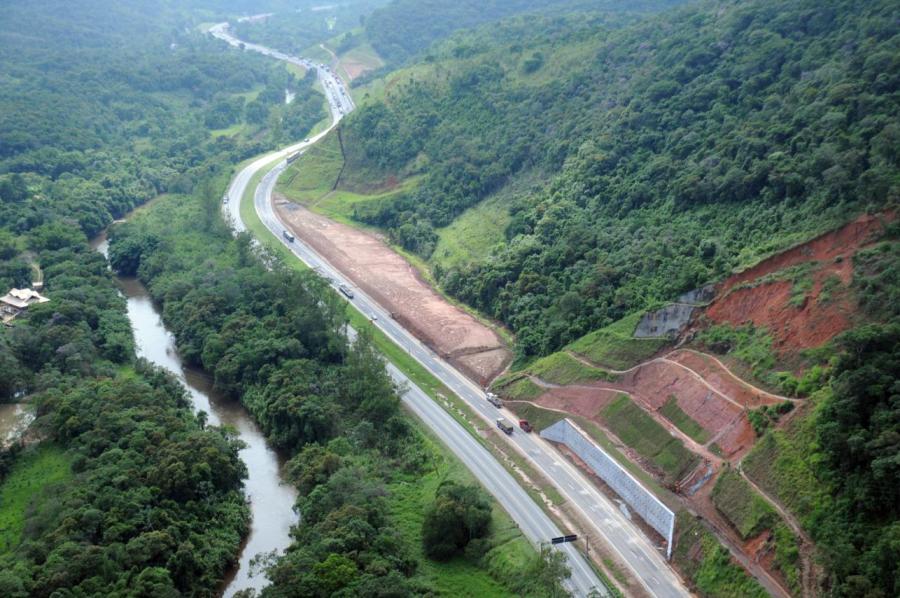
271	499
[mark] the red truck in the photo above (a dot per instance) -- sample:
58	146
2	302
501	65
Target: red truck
526	427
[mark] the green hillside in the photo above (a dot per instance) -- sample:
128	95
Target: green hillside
404	28
668	152
630	162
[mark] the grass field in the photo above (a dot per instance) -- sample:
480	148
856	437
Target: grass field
749	346
742	506
518	387
683	421
615	347
360	58
710	569
561	368
779	464
750	515
28	487
473	234
235	129
314	173
380	89
509	550
642	433
311	180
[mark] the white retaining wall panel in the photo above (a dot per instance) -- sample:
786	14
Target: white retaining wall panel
639	499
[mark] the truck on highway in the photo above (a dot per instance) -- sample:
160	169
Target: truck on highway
346	291
494	400
504	425
288	236
526	427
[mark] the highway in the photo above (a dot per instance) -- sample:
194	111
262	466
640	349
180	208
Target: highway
633	548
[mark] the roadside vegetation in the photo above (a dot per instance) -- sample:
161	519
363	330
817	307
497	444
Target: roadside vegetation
614	346
708	564
330	404
751	516
117	487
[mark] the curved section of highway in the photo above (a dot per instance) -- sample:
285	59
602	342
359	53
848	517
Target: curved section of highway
621	535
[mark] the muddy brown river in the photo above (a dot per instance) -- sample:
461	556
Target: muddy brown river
271	500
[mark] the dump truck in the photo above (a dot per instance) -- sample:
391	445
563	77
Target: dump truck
504	425
526	427
494	400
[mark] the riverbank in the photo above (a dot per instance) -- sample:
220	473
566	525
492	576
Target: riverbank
271	499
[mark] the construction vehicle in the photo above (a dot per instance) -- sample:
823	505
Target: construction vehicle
504	425
494	400
526	427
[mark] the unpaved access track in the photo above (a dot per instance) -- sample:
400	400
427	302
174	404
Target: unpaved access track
389	279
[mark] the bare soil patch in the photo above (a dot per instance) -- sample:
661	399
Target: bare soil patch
722	380
653	383
758	296
370	264
843	241
354	68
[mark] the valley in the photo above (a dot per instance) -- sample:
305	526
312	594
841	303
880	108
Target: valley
424	298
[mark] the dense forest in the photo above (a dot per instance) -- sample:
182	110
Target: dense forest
299	30
628	157
118	487
329	403
655	158
405	28
96	125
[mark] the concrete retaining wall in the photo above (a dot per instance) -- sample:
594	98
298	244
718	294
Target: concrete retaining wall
639	499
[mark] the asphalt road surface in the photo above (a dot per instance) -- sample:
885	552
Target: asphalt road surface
621	535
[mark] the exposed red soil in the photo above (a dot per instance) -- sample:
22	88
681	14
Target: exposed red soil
580	400
653	383
768	304
843	241
792	327
722	380
650	385
354	68
385	276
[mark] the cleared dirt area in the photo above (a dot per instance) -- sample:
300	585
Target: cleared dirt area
723	380
723	418
843	241
385	276
702	389
769	295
